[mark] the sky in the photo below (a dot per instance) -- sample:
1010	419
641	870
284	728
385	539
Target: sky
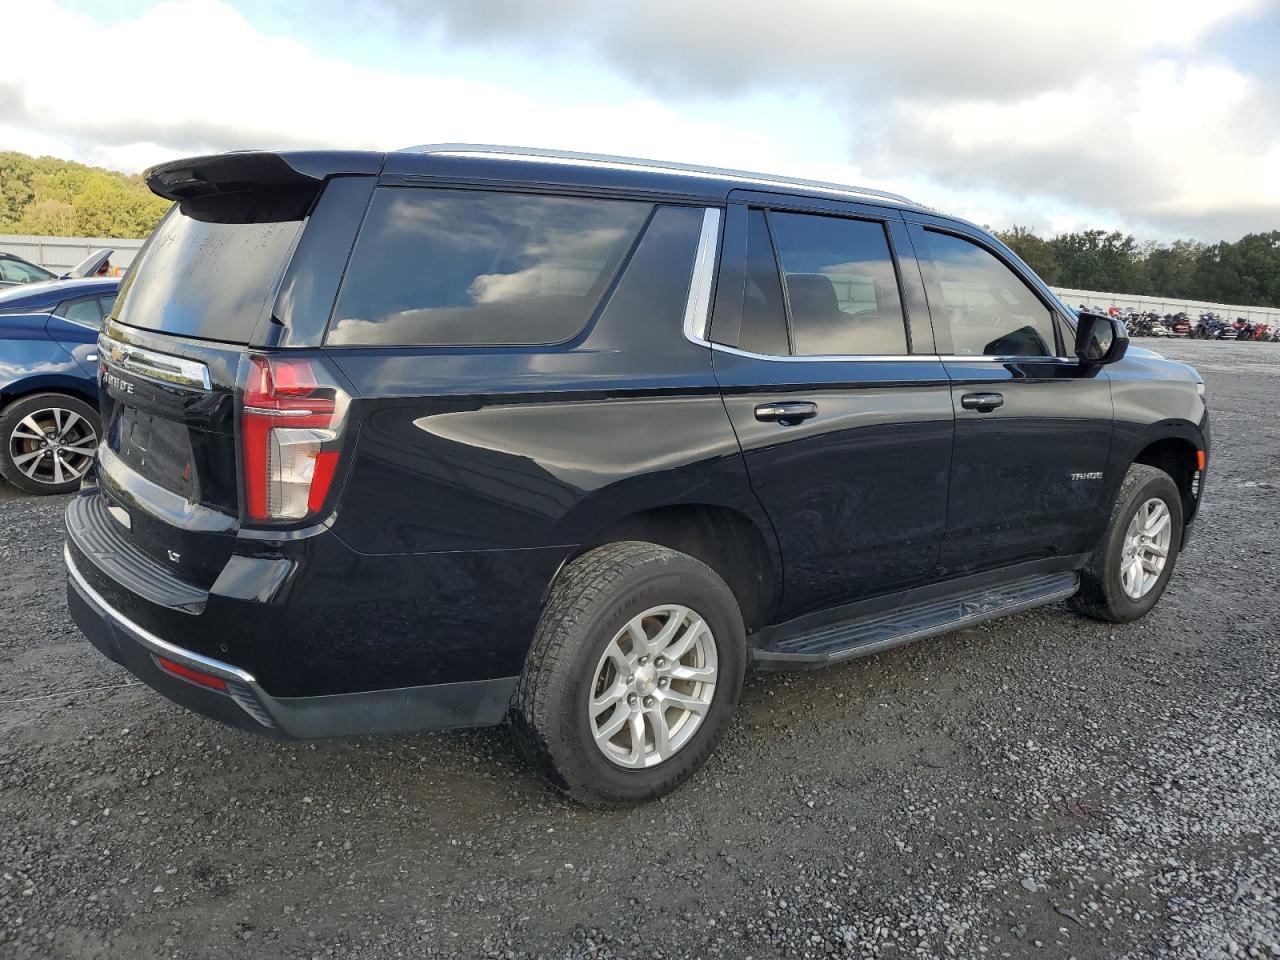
1156	117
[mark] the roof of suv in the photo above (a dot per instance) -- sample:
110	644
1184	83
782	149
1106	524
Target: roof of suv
180	179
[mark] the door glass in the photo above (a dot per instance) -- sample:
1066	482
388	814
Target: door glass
446	267
87	312
991	310
764	318
17	272
841	285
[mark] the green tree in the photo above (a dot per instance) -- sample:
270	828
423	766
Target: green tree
1171	270
45	195
1097	260
1035	252
48	218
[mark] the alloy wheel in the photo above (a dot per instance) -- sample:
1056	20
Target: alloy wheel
653	686
53	445
1146	548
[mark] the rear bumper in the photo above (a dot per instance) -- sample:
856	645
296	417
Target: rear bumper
247	706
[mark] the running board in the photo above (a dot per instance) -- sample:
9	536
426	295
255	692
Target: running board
866	635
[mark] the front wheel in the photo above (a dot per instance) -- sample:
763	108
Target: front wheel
1130	568
634	672
49	442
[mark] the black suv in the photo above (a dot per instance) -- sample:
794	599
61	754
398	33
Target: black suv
435	437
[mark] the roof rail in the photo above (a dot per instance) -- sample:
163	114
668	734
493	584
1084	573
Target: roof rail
635	163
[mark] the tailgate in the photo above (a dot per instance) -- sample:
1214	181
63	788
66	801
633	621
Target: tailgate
168	456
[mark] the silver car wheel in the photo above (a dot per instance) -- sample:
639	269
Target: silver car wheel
53	445
653	686
1146	548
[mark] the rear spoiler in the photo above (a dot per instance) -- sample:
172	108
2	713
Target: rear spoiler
223	173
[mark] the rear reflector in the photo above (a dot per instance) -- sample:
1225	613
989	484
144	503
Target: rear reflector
197	677
1200	459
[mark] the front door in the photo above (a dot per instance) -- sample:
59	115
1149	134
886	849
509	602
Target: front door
842	410
1033	428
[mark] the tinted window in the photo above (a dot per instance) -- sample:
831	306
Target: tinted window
87	311
446	267
211	266
841	285
646	306
991	310
764	319
17	272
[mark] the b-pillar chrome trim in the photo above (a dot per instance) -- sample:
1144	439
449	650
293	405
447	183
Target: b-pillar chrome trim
697	308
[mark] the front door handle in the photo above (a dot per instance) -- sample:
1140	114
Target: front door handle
982	402
786	413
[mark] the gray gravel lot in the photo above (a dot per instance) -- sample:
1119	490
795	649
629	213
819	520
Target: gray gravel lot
1038	786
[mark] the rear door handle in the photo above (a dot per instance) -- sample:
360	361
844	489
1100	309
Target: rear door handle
982	402
786	413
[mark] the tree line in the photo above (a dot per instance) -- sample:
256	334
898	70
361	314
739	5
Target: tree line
58	198
1246	272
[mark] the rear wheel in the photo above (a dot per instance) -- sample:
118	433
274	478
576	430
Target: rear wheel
49	440
635	669
1131	566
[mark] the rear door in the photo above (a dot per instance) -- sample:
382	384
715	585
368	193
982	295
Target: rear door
827	366
76	323
1033	428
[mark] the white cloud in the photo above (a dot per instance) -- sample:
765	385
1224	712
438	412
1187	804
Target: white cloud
934	48
1173	142
1094	112
194	75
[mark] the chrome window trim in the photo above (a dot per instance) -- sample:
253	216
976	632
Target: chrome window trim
830	358
697	308
886	357
157	367
993	358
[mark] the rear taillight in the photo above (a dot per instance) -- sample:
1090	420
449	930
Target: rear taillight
290	428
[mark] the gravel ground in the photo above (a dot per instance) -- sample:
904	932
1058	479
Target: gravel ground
1038	786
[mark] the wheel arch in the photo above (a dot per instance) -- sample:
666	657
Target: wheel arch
727	540
49	383
1176	452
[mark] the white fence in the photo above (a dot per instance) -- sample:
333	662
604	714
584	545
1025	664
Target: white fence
1193	308
60	254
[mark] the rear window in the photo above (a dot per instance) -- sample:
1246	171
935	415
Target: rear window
468	267
210	268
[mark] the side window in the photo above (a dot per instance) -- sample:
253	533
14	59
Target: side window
86	311
764	318
991	310
17	272
108	303
841	285
455	267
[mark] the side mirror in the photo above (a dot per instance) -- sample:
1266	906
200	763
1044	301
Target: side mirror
1100	338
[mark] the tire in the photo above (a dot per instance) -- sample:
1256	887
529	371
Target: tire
28	423
591	606
1103	594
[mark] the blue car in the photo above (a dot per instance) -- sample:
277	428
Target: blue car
48	380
